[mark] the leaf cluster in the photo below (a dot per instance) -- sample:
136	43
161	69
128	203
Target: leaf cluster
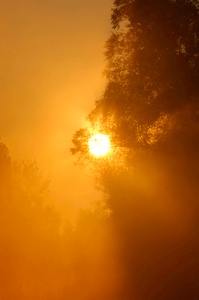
152	91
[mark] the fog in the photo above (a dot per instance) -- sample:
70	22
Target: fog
77	221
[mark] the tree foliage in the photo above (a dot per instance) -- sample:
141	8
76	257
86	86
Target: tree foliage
150	107
159	73
152	69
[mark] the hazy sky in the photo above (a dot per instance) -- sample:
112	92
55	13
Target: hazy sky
51	58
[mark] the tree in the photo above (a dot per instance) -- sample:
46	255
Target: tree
150	106
159	74
29	233
152	72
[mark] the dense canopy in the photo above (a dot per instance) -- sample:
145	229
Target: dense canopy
152	72
150	110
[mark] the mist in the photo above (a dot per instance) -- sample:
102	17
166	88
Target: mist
109	210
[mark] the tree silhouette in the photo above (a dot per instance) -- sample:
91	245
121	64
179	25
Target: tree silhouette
29	233
152	72
150	107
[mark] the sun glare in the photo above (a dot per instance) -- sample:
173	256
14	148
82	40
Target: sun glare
99	144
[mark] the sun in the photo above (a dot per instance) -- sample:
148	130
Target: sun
99	144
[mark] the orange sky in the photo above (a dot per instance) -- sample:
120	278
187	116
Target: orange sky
51	58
